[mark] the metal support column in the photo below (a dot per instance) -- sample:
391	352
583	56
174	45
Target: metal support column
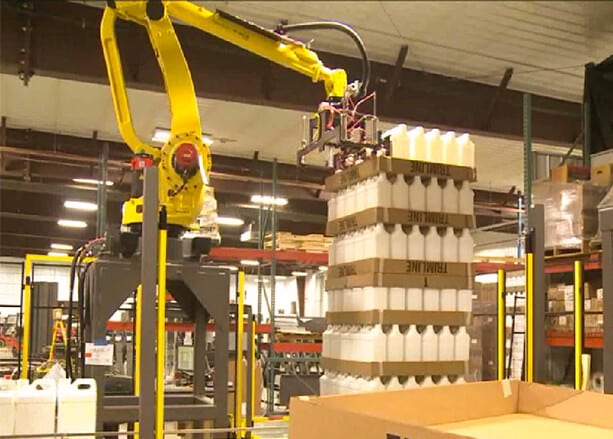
502	286
606	227
149	261
26	312
578	311
528	172
539	291
270	365
240	326
101	194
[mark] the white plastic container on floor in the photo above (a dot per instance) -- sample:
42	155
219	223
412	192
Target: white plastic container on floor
429	344
450	246
399	139
432	299
434	146
434	195
35	408
394	384
394	344
466	199
465	247
396	298
462	345
446	344
378	192
449	299
465	300
416	246
414	299
400	193
450	154
417	193
412	344
410	383
451	197
332	208
466	151
417	144
398	243
76	408
373	298
7	406
433	245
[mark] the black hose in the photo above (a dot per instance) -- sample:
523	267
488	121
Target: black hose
83	322
335	25
68	353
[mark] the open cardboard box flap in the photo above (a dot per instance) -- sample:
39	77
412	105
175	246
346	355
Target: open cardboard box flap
410	413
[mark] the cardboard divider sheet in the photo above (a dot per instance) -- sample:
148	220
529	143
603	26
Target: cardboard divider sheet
376	215
401	266
395	368
399	280
399	317
377	165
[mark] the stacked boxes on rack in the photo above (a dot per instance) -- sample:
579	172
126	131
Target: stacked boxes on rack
560	306
400	277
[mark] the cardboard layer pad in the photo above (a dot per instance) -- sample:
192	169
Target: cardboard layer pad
485	410
398	317
395	368
377	165
400	280
400	266
376	215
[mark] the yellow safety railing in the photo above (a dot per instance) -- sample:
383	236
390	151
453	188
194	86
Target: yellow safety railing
529	317
238	387
578	311
502	281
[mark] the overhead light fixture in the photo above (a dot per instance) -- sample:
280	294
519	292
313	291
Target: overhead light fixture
57	254
299	273
162	135
323	268
250	262
81	205
268	200
75	224
56	246
228	221
91	181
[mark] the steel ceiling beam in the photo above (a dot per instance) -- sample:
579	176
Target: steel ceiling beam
67	45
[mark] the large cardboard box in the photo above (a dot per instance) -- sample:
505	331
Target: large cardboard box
569	173
603	175
486	410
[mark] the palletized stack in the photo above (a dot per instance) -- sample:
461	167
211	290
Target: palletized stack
400	276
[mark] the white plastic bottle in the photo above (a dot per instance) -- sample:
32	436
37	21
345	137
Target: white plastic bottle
450	149
466	151
449	299
396	298
332	209
341	203
374	385
465	300
339	250
450	246
400	193
381	243
393	384
325	338
379	192
417	144
434	195
349	243
373	298
446	344
347	299
429	344
398	243
359	239
414	299
416	245
465	247
444	381
427	382
417	193
434	146
460	380
360	195
394	344
399	140
451	197
350	200
332	253
324	381
462	345
373	344
466	198
433	245
412	344
432	299
410	383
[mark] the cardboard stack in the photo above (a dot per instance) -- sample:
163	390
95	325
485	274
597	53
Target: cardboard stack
400	277
560	307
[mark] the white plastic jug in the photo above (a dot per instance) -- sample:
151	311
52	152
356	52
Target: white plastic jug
35	408
416	244
427	382
359	385
400	193
350	200
7	406
434	146
466	151
451	197
76	408
432	299
417	194
415	299
349	251
360	196
324	382
394	344
450	246
444	381
348	299
373	298
445	344
381	243
339	250
374	385
341	203
394	384
399	140
373	344
350	344
465	300
433	245
429	344
359	238
466	198
462	345
378	192
412	344
396	298
460	380
332	208
434	195
410	383
325	338
450	149
417	144
449	299
466	247
398	243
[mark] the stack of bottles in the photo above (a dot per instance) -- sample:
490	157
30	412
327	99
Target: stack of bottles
395	343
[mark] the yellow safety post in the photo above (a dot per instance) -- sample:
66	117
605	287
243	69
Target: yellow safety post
137	346
161	328
529	317
502	283
27	304
578	290
238	388
253	368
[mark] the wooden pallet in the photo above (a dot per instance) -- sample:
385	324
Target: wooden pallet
579	249
314	243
